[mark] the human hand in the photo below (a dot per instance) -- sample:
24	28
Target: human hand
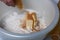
9	2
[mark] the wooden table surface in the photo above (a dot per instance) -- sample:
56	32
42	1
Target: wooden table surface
55	33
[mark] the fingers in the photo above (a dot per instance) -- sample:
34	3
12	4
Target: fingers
9	2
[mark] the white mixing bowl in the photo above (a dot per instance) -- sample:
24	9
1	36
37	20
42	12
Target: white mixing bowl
47	8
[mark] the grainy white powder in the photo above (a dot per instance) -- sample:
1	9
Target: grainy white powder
12	23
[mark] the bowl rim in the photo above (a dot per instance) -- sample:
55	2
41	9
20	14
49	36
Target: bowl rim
53	24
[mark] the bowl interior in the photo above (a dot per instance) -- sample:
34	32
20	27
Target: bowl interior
45	9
